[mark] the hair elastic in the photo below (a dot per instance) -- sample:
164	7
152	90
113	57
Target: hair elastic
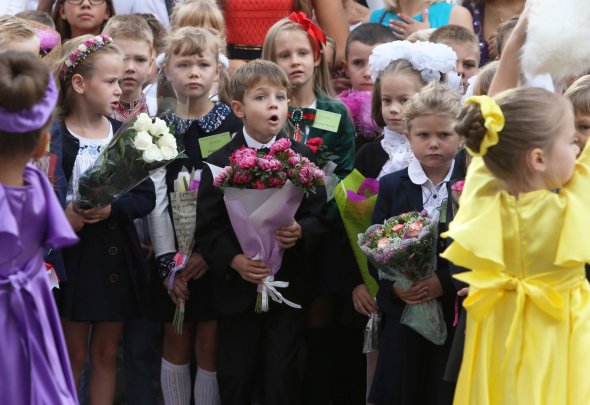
30	119
493	122
311	29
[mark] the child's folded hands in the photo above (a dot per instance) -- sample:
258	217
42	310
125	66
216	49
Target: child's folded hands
288	235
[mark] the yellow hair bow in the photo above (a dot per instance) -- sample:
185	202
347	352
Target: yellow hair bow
493	122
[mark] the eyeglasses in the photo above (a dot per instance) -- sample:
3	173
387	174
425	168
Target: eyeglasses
92	2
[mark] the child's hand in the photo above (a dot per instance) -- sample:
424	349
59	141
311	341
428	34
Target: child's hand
179	290
253	271
288	235
414	295
434	288
195	268
407	25
75	220
463	292
95	215
363	303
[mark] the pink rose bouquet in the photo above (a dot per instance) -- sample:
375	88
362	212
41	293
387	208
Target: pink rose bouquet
403	251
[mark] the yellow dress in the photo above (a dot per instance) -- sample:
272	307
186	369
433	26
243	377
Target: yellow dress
528	310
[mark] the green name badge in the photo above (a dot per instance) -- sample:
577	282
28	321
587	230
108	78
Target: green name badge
210	144
326	120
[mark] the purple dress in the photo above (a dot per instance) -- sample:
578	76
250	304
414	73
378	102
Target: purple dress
34	363
477	12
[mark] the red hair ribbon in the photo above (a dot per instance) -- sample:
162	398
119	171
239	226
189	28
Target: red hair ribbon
310	28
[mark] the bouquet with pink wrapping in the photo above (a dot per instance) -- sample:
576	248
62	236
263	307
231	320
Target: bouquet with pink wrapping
262	192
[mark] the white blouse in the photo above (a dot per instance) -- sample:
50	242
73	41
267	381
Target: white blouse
88	152
433	195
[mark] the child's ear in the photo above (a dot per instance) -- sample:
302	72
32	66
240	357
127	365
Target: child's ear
536	160
42	145
78	84
238	108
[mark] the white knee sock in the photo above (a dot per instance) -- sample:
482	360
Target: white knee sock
206	389
176	383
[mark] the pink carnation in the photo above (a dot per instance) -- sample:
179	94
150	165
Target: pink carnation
280	146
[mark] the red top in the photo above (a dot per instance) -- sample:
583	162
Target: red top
248	21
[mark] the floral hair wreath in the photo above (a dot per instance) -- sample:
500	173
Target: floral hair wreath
428	58
81	53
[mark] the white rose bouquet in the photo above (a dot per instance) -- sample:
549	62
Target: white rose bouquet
139	147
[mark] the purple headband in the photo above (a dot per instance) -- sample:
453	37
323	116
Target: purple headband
30	119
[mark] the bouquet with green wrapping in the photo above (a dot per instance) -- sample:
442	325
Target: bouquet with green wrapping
403	251
356	196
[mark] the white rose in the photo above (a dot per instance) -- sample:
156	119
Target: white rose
152	154
142	123
159	127
168	153
167	141
82	47
142	140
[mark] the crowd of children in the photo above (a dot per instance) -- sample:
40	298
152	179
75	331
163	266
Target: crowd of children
419	115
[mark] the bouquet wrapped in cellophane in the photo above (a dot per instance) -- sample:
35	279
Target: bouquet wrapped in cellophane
262	192
139	147
403	251
356	197
183	202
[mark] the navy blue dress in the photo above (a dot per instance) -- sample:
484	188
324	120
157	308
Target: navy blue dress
106	271
409	368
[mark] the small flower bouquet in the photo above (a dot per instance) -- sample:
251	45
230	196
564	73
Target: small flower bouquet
183	202
139	147
326	162
456	191
403	250
262	192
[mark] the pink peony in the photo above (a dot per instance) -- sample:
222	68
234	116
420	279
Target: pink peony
306	175
276	182
241	178
259	185
280	146
241	153
247	162
269	164
294	160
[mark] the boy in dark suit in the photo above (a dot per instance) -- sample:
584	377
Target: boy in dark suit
248	341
